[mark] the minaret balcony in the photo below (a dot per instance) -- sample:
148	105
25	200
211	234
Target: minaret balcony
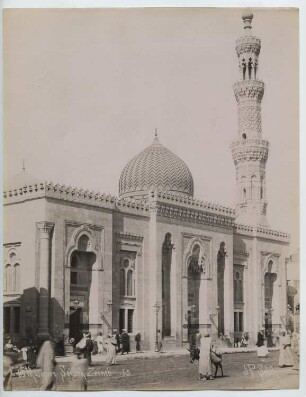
246	150
249	142
248	44
249	89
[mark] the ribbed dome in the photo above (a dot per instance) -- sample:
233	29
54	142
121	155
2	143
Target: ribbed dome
156	167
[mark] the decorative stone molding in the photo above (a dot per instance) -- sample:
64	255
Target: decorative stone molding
73	232
201	217
248	44
266	258
242	152
129	242
261	232
45	229
249	120
205	256
9	249
249	89
190	202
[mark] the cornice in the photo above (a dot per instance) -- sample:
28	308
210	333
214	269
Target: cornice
261	232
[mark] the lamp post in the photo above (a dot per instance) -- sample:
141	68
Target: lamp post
157	309
193	311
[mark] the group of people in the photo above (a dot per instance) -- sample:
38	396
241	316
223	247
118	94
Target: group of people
288	348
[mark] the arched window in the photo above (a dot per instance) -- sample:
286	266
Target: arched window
8	278
129	283
243	136
238	286
16	277
122	282
253	187
84	243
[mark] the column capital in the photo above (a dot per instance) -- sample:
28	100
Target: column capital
45	228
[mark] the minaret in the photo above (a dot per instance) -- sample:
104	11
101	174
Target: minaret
250	151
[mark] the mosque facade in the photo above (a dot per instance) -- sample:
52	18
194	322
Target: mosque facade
154	257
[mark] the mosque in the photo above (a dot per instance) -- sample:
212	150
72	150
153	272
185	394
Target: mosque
155	257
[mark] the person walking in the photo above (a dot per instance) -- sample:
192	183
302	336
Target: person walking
7	372
78	370
285	355
46	362
159	341
262	350
205	360
99	340
295	346
125	341
111	344
117	337
138	342
88	348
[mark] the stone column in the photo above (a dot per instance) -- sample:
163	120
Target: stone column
204	304
228	296
94	301
152	288
173	296
184	303
45	231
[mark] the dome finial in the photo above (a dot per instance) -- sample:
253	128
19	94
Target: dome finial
247	17
23	166
156	136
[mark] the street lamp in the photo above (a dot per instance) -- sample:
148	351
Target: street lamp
157	309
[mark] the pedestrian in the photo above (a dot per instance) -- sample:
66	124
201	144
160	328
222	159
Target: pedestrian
194	347
205	360
295	346
159	341
285	355
7	372
138	342
87	350
46	362
262	350
117	337
32	354
99	340
24	352
79	368
8	347
111	344
125	341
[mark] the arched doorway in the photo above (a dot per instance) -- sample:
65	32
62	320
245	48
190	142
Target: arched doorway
166	284
194	280
82	260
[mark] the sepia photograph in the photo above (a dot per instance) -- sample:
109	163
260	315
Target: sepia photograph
151	199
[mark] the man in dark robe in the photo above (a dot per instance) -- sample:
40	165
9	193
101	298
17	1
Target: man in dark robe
138	341
125	341
88	348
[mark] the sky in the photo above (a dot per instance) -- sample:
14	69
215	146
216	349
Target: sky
85	89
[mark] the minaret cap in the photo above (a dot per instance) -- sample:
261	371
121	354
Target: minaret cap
247	17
